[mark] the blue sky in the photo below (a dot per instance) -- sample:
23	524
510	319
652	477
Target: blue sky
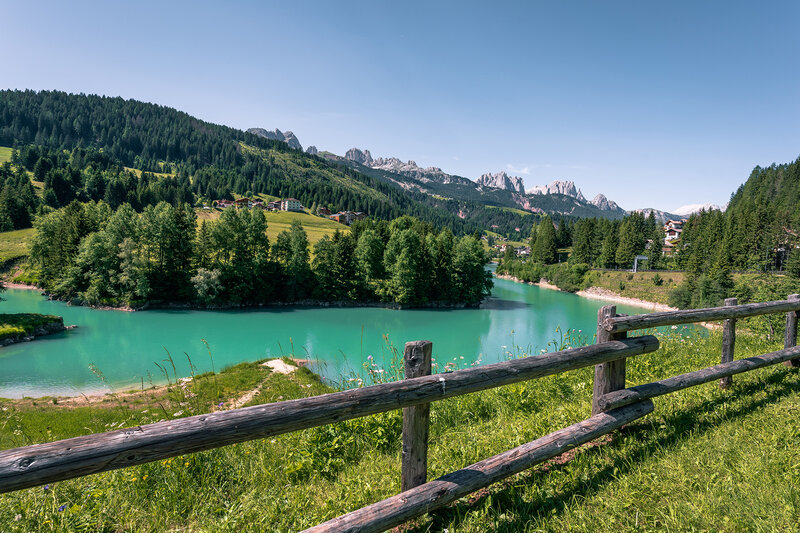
655	104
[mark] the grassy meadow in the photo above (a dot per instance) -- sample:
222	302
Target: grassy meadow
636	284
5	154
510	210
15	244
706	459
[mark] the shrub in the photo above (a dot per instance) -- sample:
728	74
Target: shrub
658	280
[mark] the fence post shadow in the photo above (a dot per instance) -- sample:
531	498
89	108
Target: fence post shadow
681	424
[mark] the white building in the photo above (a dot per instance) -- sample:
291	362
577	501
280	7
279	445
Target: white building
291	204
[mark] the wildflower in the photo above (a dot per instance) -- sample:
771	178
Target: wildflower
47	487
220	404
17	518
64	506
272	441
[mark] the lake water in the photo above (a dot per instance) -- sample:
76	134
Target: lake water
125	347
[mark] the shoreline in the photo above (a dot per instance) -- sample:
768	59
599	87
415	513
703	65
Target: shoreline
11	285
597	293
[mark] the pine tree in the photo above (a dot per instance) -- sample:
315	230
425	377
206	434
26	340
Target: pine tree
544	249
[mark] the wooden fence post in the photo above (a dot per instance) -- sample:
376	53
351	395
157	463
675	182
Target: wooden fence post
607	376
790	338
417	359
728	342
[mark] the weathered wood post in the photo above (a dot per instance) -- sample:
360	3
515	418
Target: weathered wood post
728	342
790	337
607	376
417	359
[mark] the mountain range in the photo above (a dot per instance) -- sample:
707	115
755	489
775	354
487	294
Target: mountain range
500	188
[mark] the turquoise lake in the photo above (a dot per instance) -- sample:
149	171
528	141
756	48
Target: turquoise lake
126	347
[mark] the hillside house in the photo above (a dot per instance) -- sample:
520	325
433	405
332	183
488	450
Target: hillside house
291	204
324	212
673	230
348	217
274	206
222	204
242	202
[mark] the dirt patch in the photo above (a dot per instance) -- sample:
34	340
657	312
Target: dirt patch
599	293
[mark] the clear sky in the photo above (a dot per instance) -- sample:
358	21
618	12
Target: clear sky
655	104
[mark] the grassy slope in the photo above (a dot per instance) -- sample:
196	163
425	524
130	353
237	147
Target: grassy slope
637	285
5	154
705	460
278	221
510	209
15	244
157	174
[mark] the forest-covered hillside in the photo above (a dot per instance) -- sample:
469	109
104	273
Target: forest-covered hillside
219	160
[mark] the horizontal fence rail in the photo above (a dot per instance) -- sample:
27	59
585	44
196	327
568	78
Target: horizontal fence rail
424	498
670	318
623	397
55	461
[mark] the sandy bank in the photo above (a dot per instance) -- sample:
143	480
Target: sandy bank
9	285
598	293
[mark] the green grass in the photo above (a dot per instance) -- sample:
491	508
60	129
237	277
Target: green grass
5	154
510	209
706	459
16	324
637	285
138	173
15	244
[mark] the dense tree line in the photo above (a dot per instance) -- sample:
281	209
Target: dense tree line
598	242
81	174
759	231
595	242
89	252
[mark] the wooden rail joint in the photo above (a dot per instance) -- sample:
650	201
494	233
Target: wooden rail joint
620	324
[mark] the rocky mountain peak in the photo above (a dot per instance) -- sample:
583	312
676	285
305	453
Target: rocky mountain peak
501	180
277	135
604	203
312	150
565	187
362	157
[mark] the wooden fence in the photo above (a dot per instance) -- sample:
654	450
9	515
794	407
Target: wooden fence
613	406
